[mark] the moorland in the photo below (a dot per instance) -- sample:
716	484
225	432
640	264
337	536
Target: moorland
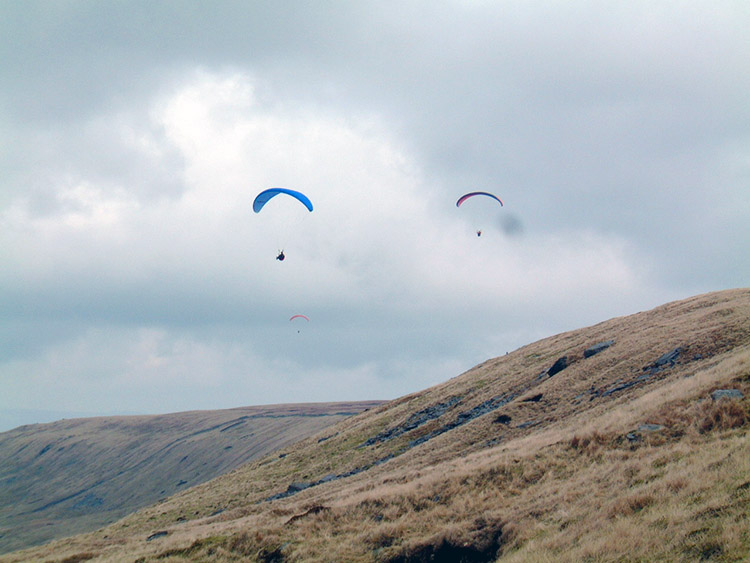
622	441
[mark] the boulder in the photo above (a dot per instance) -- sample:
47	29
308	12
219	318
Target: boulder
665	361
650	427
298	486
596	348
558	366
726	394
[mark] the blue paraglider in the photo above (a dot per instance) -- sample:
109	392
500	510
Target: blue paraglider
263	197
267	195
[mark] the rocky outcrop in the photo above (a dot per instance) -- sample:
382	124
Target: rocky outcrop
558	366
414	421
727	394
596	348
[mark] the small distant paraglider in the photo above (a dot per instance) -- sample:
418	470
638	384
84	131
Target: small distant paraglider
299	317
266	195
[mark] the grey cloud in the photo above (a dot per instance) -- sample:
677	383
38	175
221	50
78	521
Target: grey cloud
616	134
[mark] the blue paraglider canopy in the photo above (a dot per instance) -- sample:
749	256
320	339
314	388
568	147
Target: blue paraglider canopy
263	197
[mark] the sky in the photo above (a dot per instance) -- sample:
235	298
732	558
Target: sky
135	277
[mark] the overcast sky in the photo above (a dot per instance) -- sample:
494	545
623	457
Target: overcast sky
136	278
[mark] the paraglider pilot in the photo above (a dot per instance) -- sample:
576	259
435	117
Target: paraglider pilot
479	233
281	256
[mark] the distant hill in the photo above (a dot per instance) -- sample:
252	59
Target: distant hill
76	475
626	441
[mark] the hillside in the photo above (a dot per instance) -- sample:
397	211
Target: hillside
626	440
76	475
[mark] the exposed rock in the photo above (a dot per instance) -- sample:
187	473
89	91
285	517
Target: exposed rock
464	417
487	406
90	500
643	428
294	488
527	424
533	399
382	460
414	421
298	486
503	419
727	394
558	366
155	535
650	427
669	358
626	385
596	348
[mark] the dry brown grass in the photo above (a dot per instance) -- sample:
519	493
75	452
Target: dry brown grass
573	486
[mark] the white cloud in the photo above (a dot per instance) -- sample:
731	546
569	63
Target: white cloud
381	247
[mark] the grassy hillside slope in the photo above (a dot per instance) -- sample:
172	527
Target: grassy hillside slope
626	440
76	475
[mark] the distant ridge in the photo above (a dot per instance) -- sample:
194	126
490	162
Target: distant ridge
626	440
75	475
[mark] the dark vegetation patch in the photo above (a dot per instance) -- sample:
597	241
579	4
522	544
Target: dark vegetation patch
591	442
156	535
78	557
481	545
722	415
703	416
257	547
315	509
699	545
196	550
629	505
